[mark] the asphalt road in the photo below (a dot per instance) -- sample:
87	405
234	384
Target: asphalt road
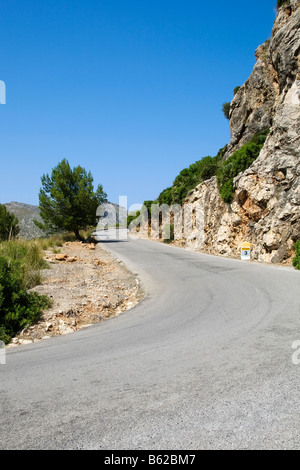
204	362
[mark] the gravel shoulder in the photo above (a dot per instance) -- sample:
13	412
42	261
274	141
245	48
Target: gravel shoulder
87	285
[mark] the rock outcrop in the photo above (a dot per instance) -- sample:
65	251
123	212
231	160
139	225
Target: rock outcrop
266	208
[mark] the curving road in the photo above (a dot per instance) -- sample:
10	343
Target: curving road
205	361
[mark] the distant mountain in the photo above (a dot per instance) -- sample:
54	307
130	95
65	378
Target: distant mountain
26	214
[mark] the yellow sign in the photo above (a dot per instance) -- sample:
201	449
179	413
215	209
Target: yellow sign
246	246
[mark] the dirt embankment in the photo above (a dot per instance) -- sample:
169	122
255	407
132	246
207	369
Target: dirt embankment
87	285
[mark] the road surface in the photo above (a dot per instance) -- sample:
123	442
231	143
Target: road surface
204	362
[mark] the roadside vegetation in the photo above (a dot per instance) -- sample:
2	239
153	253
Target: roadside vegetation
188	179
226	109
21	263
68	201
9	225
21	268
296	259
202	170
237	163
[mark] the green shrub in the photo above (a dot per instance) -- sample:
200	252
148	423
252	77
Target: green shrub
165	197
209	168
236	90
296	259
27	258
226	109
146	209
9	227
21	263
190	177
237	163
18	308
67	199
227	191
204	169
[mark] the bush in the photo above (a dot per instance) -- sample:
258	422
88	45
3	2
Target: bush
209	168
237	163
190	177
67	199
165	197
204	169
9	227
236	90
227	191
146	209
18	308
21	263
226	110
27	259
296	260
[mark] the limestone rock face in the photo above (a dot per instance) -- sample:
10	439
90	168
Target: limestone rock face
266	208
276	69
252	108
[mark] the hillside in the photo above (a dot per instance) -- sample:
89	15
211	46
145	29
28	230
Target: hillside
26	214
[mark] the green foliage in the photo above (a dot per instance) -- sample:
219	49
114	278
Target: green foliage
20	265
131	218
146	210
296	259
18	308
226	109
27	257
208	167
237	163
189	178
227	191
9	227
67	199
236	90
168	233
195	174
165	197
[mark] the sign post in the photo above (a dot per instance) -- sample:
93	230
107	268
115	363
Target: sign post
246	251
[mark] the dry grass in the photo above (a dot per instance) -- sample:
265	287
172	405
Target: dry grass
27	256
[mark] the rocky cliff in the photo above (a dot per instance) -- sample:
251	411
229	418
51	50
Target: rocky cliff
266	207
265	210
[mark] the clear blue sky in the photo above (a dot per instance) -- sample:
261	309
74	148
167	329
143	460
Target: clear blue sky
131	90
